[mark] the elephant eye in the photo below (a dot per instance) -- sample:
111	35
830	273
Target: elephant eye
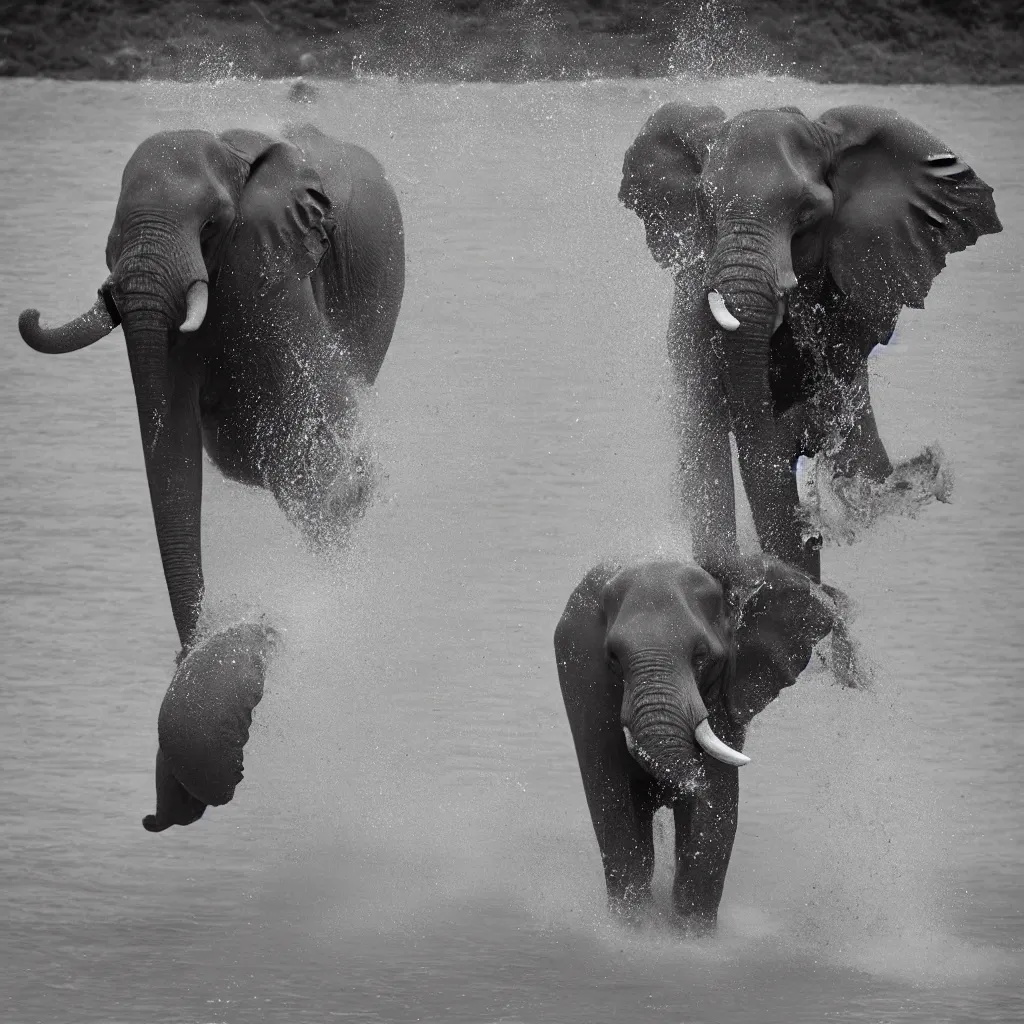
806	215
701	658
614	663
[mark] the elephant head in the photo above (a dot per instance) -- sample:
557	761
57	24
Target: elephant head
657	658
772	196
772	212
183	196
204	721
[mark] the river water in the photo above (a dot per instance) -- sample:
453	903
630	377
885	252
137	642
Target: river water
411	841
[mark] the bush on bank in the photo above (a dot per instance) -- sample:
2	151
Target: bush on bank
953	41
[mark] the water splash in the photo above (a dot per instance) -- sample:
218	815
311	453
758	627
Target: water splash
842	509
715	40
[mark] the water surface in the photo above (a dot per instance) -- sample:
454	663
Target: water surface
411	841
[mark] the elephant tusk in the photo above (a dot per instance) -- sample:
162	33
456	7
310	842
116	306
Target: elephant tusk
195	302
720	311
630	742
712	745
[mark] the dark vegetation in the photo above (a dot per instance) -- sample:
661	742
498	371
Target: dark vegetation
953	41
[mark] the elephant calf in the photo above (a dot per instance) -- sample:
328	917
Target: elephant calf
662	665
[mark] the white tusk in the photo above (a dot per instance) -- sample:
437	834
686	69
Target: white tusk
712	745
780	315
720	311
195	303
630	742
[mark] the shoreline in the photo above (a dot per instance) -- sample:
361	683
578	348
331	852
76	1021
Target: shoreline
879	42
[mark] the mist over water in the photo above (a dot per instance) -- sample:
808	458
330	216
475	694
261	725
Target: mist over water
411	841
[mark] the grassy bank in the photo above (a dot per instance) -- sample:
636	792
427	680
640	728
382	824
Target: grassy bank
875	41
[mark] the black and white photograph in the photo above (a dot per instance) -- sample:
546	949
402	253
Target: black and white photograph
512	511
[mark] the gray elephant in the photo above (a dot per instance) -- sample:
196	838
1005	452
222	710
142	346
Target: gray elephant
662	666
258	281
795	244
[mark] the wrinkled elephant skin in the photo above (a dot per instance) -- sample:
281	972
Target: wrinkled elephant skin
795	243
662	666
258	281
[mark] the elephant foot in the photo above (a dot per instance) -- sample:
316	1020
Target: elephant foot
633	913
695	926
204	722
840	508
630	902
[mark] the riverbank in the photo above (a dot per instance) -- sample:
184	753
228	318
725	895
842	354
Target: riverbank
872	41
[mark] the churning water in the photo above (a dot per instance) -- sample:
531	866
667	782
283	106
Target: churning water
411	841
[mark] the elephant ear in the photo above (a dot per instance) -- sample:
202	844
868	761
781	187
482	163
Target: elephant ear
580	654
284	208
903	200
779	614
204	720
660	175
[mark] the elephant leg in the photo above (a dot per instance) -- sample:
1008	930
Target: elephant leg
705	831
622	811
862	450
173	450
702	420
322	478
312	460
767	447
767	457
626	840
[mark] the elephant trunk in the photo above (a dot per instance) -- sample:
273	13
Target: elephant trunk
172	447
742	295
160	284
161	288
665	721
750	273
95	323
160	270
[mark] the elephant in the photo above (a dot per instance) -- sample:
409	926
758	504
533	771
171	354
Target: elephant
258	280
794	243
662	665
204	722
